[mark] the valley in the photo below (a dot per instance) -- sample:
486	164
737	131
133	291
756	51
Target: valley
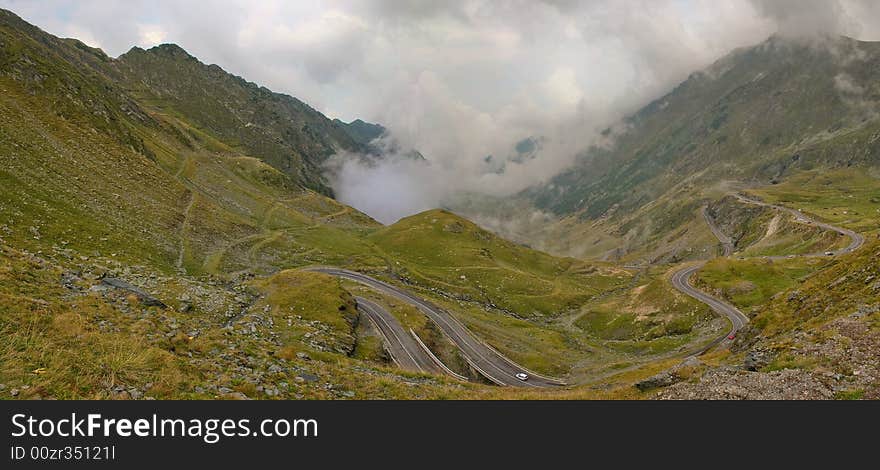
169	231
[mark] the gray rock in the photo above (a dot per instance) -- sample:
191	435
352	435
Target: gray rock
668	377
692	361
865	310
69	279
663	379
756	359
304	356
144	297
306	377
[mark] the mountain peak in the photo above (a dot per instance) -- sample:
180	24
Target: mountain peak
361	131
164	50
169	49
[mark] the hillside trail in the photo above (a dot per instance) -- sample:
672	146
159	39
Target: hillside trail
181	236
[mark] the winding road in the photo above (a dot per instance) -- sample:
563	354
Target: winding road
482	357
726	241
404	349
410	353
856	240
681	279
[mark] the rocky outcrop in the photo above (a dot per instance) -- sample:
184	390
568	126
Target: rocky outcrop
671	376
145	298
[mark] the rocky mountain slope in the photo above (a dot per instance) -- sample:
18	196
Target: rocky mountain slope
360	131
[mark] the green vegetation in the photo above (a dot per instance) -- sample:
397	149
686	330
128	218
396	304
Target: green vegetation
230	113
314	308
68	347
748	283
840	288
846	197
648	311
442	250
849	395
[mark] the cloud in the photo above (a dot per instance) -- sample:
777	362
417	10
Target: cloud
399	186
800	18
151	35
459	80
562	87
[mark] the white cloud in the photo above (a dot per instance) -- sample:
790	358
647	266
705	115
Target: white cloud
563	88
151	35
458	79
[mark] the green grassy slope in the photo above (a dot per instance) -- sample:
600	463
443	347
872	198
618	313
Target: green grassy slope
439	248
279	129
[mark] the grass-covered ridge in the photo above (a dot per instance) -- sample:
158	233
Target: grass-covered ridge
438	248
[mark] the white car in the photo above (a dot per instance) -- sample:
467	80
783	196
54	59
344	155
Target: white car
829	253
522	376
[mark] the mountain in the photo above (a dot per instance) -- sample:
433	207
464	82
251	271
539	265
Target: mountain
360	131
755	117
276	128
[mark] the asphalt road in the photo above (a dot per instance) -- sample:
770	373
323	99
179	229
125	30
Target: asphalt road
410	355
404	349
681	278
726	242
856	240
484	359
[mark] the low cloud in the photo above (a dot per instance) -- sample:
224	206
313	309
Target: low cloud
459	80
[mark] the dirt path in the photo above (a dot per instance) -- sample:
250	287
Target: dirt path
181	235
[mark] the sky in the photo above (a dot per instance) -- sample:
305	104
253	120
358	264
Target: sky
459	80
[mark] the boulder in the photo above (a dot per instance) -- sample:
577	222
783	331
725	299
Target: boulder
145	298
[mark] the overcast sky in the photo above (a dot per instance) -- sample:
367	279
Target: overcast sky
458	80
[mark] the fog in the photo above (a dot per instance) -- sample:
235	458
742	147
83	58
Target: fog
458	80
